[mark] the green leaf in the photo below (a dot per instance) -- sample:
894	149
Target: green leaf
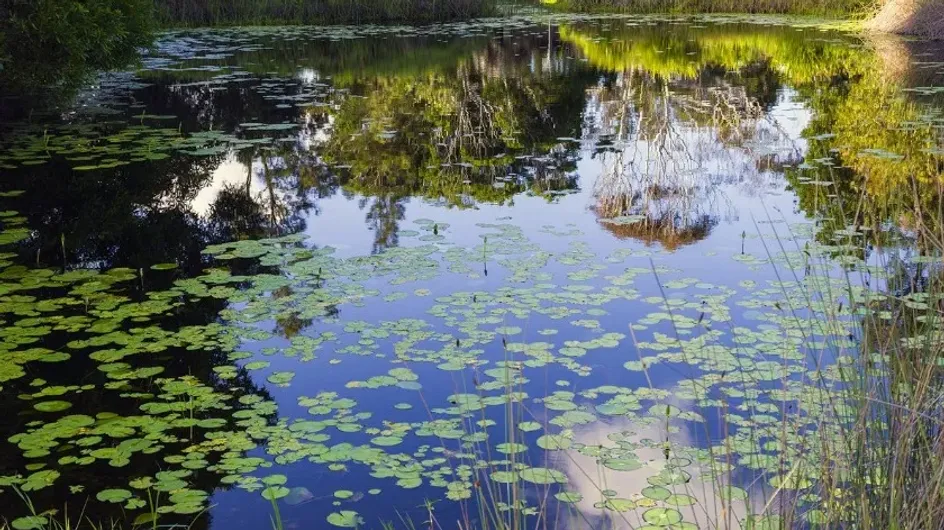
273	493
113	495
30	522
344	519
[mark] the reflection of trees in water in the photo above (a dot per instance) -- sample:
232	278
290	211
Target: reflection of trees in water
483	131
668	148
875	154
462	126
384	214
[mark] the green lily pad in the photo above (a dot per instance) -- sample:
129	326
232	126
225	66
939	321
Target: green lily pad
52	406
553	442
344	519
662	516
386	441
30	522
273	493
542	475
569	497
113	495
656	493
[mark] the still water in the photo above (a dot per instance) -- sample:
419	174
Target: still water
568	269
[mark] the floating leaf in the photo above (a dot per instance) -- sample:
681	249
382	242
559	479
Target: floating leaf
52	406
30	522
344	519
273	493
113	495
662	516
542	475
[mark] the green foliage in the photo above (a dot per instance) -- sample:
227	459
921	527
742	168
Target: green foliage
57	42
236	12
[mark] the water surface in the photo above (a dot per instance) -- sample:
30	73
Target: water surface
373	274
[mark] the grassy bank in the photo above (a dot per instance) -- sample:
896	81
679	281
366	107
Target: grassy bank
253	12
844	8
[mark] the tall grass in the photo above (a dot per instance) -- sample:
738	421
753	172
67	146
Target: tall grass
250	12
896	477
844	8
70	519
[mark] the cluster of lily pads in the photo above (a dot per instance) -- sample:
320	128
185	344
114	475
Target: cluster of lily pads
476	361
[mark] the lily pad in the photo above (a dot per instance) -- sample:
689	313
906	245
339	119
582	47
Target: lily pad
52	406
344	519
542	475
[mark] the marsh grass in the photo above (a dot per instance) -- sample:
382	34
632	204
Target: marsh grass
260	12
69	519
895	479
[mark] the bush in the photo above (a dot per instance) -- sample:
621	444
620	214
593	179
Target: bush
58	42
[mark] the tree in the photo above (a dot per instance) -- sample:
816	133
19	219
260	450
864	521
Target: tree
59	42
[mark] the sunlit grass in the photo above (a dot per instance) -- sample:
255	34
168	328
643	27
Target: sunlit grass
845	8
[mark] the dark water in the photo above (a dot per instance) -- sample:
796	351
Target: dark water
502	213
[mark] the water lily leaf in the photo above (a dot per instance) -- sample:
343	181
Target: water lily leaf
662	516
344	519
542	475
511	448
504	477
570	497
30	522
281	378
553	442
52	406
113	495
273	493
528	426
680	499
275	480
256	365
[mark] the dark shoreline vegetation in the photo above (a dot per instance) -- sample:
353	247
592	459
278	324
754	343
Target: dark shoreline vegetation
537	271
54	46
199	13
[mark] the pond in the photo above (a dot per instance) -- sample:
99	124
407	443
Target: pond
534	270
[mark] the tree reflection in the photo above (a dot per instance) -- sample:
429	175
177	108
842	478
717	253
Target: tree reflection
670	147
